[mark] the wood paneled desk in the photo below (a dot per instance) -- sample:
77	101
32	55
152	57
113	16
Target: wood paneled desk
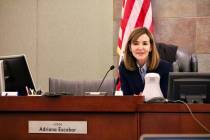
108	118
173	118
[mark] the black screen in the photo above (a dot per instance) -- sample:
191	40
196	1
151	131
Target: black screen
191	87
17	75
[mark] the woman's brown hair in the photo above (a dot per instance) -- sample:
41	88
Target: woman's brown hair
130	60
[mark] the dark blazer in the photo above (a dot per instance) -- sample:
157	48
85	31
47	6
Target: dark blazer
131	82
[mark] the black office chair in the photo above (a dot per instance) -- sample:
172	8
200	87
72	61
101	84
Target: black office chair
182	61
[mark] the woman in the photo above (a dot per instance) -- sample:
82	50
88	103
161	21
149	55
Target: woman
141	57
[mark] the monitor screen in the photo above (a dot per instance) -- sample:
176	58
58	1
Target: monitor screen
2	81
191	87
16	74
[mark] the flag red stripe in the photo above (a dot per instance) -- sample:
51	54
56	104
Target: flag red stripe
119	42
151	27
127	11
143	12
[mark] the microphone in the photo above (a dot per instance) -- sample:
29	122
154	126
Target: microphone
111	68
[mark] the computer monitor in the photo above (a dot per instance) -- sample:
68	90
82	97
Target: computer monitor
175	137
2	81
16	74
191	87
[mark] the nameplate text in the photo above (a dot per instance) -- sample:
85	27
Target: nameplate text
65	127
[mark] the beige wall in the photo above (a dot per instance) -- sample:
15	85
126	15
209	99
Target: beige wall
65	39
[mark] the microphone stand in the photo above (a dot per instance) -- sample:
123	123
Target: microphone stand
111	68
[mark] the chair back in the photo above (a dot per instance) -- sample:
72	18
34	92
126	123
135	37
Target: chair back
181	60
79	87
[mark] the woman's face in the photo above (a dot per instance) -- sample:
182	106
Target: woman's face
141	48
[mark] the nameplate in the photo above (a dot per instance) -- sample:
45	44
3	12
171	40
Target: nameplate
64	127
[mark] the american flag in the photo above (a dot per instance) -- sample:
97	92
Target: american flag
135	13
